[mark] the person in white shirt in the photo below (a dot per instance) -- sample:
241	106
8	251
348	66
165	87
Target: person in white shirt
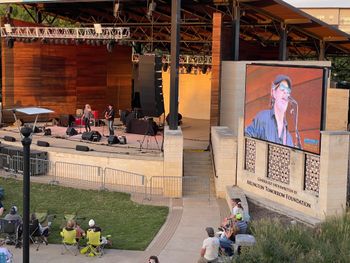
210	248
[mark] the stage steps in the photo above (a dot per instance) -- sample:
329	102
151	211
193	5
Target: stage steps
198	174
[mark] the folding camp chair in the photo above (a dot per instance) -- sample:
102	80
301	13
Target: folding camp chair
44	218
94	244
35	234
69	241
10	229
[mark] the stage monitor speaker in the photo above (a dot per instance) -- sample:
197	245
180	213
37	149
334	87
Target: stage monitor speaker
47	132
71	131
43	144
122	139
9	138
149	83
93	136
82	148
113	139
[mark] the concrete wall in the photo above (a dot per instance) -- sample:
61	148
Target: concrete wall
331	198
233	88
194	94
224	150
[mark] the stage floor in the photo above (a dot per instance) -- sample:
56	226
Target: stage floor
195	132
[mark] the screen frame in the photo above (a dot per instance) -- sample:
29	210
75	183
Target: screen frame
325	80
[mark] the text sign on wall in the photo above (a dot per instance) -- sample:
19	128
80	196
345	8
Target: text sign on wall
282	192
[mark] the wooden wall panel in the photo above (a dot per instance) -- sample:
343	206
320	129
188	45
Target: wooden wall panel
65	77
216	69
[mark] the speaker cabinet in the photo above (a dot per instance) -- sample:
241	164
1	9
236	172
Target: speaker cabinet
113	139
43	144
93	136
122	139
149	83
47	132
71	131
9	138
82	148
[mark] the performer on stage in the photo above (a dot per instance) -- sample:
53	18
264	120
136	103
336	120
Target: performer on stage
87	114
109	116
271	124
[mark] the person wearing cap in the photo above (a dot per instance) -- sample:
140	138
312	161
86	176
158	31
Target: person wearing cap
13	215
93	226
241	224
210	248
271	125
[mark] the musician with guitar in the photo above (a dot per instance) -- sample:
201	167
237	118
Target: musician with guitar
109	116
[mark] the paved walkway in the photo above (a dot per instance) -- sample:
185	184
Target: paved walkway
179	240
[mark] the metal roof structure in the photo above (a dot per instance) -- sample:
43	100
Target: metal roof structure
150	23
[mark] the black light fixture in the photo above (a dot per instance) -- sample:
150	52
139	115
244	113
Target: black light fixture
204	69
110	46
165	67
189	69
10	42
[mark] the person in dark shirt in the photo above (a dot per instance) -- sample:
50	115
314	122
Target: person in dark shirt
110	113
271	125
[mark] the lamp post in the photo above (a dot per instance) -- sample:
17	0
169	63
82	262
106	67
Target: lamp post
26	141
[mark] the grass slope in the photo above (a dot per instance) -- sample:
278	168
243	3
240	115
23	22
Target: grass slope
132	226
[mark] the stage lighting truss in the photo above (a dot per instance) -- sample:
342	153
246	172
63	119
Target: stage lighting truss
108	33
195	60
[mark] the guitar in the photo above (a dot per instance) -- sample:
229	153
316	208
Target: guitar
107	116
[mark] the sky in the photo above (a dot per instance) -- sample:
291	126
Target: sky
319	3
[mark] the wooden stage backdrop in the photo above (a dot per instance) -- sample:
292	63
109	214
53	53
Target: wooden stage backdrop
65	77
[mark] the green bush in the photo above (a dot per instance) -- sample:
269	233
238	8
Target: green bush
277	243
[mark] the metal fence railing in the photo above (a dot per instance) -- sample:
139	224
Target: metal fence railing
123	181
95	177
82	174
170	186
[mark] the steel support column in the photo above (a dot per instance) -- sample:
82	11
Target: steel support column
26	141
283	43
174	67
236	26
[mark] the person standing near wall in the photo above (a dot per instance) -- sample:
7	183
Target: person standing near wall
109	116
86	117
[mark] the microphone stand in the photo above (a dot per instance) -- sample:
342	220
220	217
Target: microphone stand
295	114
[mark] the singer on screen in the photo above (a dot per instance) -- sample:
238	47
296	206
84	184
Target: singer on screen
271	125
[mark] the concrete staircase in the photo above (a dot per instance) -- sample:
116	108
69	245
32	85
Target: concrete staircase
198	174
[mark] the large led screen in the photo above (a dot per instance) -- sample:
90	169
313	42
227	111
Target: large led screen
283	105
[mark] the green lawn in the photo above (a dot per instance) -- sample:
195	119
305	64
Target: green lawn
132	225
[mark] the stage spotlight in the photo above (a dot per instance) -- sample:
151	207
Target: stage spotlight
98	28
165	67
10	42
88	42
189	69
44	41
104	42
110	46
52	41
204	69
8	28
77	42
98	43
57	41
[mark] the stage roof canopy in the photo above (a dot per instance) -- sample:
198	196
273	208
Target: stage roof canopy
150	23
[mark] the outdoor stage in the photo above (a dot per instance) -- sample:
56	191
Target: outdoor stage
60	140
